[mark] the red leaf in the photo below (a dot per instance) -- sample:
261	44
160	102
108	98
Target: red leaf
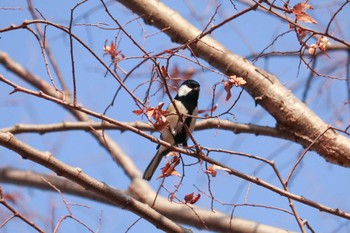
138	112
188	197
195	199
169	169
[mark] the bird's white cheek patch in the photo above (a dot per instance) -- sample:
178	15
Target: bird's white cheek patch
184	90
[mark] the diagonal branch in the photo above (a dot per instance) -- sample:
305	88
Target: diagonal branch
117	197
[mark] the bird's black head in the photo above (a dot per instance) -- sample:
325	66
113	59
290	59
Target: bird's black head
188	94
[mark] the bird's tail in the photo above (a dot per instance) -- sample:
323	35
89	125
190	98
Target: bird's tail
152	166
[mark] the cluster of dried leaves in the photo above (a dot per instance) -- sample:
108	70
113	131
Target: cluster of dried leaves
191	198
111	50
299	11
158	115
169	168
300	15
321	44
232	81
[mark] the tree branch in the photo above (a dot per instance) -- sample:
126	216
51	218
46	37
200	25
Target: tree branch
117	197
215	221
236	128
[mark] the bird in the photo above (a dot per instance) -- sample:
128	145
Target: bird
175	133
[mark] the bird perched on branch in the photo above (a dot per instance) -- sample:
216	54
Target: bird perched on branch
175	132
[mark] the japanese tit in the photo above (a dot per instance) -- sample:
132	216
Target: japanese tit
175	132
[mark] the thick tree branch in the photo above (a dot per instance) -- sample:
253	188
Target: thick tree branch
236	128
117	197
214	221
290	113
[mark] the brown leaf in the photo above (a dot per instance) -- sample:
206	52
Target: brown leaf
157	114
138	112
299	11
305	18
159	125
237	81
312	49
227	87
188	197
195	199
321	44
111	50
212	169
233	80
169	168
301	6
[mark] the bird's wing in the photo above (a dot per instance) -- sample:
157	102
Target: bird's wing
193	121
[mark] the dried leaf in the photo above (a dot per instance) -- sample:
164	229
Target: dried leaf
305	18
227	87
159	125
233	80
302	6
321	44
188	197
111	50
138	112
169	168
212	169
312	49
299	11
237	81
157	114
195	199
